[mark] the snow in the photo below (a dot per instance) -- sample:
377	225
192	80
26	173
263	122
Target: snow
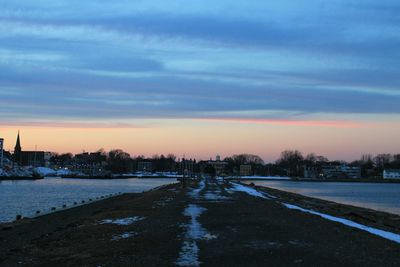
156	174
63	172
387	235
189	254
195	230
265	177
3	173
195	192
20	172
124	221
248	190
214	197
43	171
261	177
123	236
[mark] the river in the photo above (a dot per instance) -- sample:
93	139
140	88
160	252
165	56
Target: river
26	197
377	196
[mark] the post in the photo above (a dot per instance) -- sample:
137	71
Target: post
1	152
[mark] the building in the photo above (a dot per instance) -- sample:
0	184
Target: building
89	163
145	166
187	167
219	165
30	158
1	152
341	172
391	174
312	172
245	170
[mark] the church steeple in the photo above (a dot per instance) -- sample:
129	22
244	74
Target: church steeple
18	144
17	150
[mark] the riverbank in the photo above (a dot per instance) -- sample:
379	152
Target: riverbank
114	177
19	178
209	223
297	179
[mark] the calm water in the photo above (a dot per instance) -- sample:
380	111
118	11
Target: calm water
383	197
26	197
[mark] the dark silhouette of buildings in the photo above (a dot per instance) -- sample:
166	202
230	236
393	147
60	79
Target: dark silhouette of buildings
29	158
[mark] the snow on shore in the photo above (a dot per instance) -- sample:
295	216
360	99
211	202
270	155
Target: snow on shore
17	172
248	190
43	171
30	172
259	177
387	235
3	173
123	221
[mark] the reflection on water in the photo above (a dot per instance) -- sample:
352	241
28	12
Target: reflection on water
26	197
383	197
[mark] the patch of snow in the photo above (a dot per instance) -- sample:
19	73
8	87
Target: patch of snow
261	177
209	236
189	255
156	174
124	221
3	173
266	177
248	190
214	197
387	235
195	230
123	236
43	171
21	172
64	172
195	192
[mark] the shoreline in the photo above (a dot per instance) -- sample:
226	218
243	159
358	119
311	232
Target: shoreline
353	180
19	178
374	218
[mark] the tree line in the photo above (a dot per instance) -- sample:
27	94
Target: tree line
290	162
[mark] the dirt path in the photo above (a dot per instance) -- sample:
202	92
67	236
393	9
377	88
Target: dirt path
208	223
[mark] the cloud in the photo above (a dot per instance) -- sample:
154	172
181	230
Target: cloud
145	62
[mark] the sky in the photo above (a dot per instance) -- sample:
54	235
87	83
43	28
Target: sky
201	78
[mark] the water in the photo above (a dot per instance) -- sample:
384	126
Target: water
26	197
382	197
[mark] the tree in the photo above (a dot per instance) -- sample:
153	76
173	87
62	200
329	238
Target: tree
210	170
396	161
119	161
291	160
382	161
61	160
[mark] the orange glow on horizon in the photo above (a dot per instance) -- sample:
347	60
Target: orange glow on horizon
205	138
287	122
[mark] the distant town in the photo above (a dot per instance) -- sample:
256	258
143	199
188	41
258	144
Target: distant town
292	163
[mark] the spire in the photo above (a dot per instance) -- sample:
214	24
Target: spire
17	150
18	144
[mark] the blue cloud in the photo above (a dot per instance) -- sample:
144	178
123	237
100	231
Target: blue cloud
153	62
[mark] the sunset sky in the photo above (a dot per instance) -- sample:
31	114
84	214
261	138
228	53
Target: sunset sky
201	77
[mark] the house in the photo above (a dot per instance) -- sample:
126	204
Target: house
89	163
145	166
341	171
311	172
1	152
391	174
219	165
245	170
